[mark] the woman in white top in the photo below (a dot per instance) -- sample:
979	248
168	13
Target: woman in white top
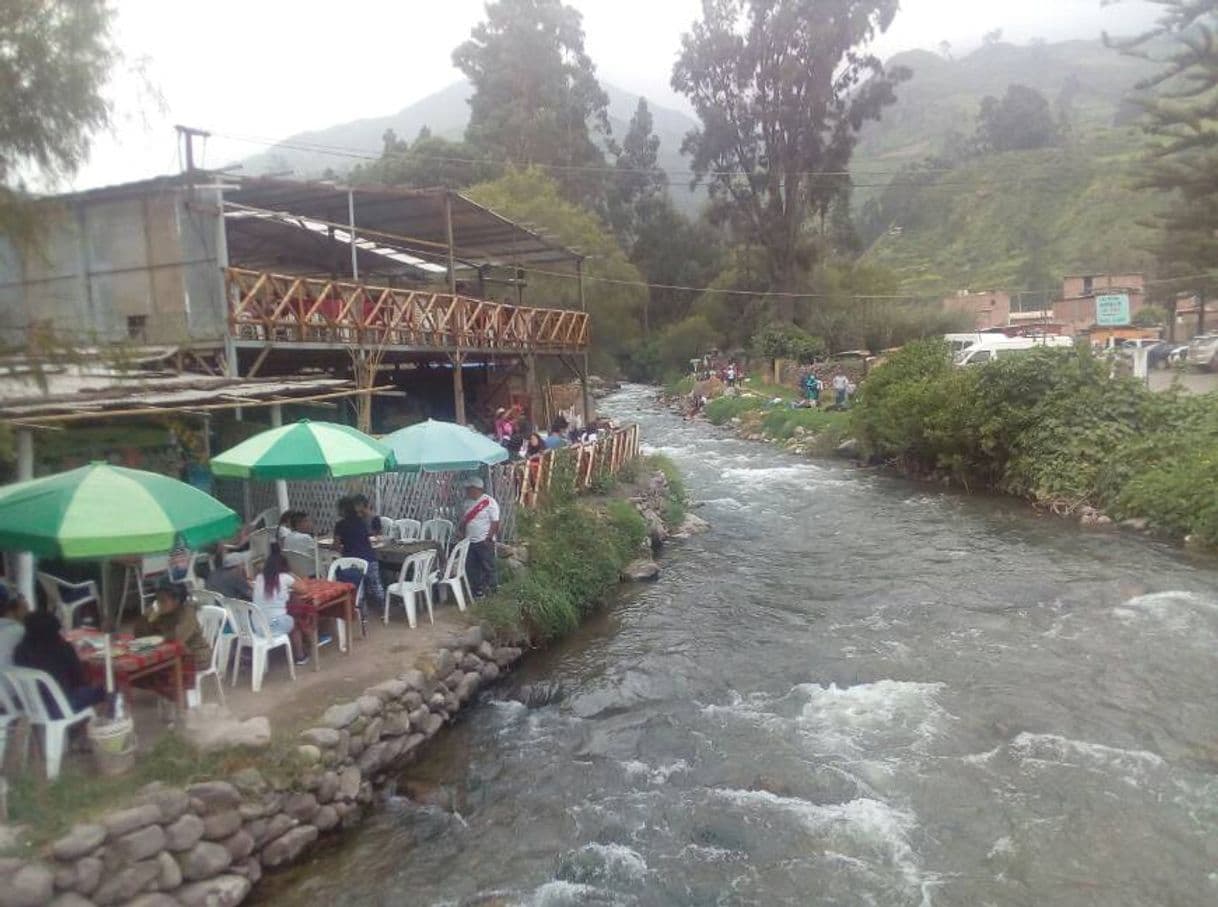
272	589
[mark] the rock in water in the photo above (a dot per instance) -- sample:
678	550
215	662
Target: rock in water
641	571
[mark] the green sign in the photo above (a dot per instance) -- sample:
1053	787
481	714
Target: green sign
1112	311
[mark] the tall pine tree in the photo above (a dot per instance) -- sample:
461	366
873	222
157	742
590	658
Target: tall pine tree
638	181
535	90
1181	121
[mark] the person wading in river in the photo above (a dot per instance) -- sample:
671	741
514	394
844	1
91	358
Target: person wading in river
480	525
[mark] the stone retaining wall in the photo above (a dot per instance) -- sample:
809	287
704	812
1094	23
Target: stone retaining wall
207	845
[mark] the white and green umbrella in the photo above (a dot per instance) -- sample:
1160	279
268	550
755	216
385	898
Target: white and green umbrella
102	511
433	446
304	450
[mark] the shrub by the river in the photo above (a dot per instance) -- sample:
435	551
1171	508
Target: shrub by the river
577	549
1051	426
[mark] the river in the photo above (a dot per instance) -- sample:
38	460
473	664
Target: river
852	690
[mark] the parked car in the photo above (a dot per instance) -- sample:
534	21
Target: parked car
1158	355
1203	351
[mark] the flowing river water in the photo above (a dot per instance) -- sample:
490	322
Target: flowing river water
852	690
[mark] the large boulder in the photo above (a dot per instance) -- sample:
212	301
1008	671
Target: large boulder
289	846
223	891
641	571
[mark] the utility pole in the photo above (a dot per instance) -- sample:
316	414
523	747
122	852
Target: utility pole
188	134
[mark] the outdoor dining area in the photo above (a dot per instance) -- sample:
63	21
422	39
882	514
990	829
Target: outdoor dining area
190	599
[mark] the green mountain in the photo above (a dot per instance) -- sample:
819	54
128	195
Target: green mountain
1018	219
308	155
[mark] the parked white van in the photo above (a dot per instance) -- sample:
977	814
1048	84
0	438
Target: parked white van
998	346
961	342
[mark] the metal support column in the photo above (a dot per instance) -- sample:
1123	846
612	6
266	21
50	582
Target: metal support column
281	486
25	471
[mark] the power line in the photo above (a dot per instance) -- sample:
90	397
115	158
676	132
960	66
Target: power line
667	176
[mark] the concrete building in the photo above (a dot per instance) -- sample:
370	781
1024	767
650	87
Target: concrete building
1076	307
991	309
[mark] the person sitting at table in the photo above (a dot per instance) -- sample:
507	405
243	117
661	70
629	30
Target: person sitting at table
173	616
352	538
272	589
13	609
228	579
296	531
44	649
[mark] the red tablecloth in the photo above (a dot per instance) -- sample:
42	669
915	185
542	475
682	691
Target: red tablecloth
130	665
312	596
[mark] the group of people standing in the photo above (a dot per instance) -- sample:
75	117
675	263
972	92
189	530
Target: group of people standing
843	390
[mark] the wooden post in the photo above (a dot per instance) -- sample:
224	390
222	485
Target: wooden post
448	235
458	388
281	486
351	231
530	385
583	378
24	565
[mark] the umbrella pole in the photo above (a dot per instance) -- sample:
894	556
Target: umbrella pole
281	486
109	668
106	605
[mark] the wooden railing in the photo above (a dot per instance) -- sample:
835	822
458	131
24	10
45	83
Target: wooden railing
278	308
607	454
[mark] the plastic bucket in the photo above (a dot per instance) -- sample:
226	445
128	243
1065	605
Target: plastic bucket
113	744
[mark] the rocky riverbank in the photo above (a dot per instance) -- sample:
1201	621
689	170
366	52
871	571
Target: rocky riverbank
209	843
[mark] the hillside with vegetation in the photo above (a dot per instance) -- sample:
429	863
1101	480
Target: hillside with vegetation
944	212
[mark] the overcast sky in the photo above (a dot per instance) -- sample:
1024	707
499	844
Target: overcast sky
268	68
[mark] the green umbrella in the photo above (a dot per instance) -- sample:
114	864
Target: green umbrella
103	511
304	450
442	447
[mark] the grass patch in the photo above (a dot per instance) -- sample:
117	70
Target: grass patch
49	808
722	410
677	503
682	387
577	549
770	391
782	424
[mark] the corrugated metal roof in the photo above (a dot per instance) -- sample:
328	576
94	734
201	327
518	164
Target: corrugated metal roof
479	234
76	391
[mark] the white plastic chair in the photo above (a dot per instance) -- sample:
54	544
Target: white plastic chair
348	563
228	633
212	619
152	569
438	530
304	560
10	701
414	580
254	633
407	530
454	577
31	685
260	544
267	519
192	579
54	588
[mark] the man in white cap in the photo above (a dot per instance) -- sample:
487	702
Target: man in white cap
480	525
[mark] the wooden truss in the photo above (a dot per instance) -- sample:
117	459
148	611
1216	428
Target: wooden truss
277	308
